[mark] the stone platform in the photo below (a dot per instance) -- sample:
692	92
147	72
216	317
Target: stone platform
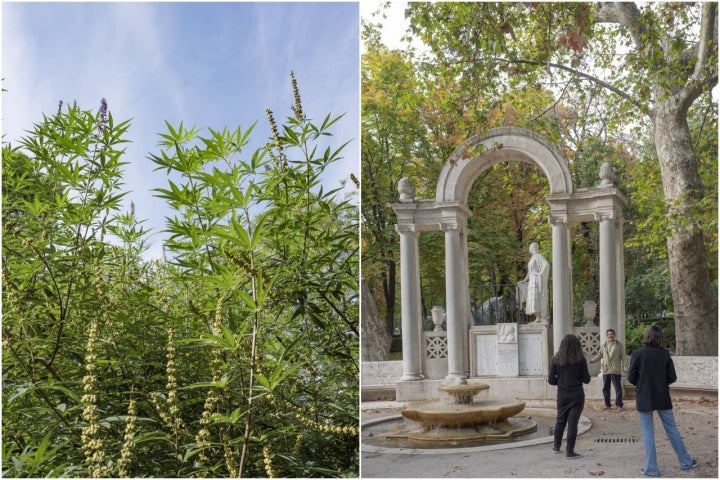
697	378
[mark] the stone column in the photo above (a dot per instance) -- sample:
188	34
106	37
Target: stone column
562	290
465	302
454	286
608	277
620	278
410	302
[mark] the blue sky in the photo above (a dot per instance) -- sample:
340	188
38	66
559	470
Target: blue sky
206	64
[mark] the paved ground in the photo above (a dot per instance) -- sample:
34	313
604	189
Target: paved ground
697	420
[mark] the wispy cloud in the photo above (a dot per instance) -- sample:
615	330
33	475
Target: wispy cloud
207	64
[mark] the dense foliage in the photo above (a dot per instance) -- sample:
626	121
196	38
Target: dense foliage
594	86
238	356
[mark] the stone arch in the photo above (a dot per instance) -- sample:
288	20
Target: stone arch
482	151
449	213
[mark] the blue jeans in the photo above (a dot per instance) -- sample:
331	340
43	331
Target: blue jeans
650	467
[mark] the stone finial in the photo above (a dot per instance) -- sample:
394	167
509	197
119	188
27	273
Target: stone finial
406	190
607	175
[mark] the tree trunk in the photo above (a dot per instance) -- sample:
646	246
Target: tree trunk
695	306
375	340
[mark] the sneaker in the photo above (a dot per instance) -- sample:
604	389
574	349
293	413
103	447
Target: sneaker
621	408
642	470
693	465
606	409
574	455
556	450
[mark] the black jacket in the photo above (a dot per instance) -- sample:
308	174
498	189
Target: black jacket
652	371
569	379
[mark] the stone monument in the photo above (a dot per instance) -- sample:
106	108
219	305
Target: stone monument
533	288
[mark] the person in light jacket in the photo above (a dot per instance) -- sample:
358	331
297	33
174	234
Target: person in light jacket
613	364
652	371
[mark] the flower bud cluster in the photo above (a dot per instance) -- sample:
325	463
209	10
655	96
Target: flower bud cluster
92	444
213	398
171	400
297	109
160	407
274	129
267	460
231	460
332	429
297	448
102	298
126	452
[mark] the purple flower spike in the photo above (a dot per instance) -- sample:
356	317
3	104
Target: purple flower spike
102	116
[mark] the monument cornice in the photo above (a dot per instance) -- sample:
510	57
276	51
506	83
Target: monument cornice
587	204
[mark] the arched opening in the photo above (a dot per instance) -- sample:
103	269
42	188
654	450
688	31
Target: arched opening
449	213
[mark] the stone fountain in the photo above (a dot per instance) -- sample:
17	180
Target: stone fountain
461	418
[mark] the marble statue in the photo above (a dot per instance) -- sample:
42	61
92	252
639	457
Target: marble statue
533	288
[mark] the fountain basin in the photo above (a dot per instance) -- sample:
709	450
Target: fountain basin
437	414
461	419
463	393
389	435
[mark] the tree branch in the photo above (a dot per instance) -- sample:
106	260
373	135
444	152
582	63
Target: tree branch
584	75
626	14
551	107
704	76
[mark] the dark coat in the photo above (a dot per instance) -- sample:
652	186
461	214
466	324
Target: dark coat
652	371
569	379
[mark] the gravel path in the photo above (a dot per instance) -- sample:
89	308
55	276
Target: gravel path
623	458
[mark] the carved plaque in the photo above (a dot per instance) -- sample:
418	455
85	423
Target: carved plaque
485	355
531	354
507	360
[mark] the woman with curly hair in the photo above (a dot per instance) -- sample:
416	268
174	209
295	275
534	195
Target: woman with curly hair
569	370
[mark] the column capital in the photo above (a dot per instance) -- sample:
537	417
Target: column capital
600	216
610	214
407	228
452	226
558	221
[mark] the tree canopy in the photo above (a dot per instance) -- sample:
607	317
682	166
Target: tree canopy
619	82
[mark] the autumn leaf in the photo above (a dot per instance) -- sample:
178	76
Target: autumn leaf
576	41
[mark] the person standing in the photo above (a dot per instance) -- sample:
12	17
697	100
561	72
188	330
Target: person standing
612	364
569	370
652	371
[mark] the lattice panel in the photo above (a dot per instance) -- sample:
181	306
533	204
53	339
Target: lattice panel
590	342
435	347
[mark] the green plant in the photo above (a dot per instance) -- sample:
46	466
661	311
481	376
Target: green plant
237	357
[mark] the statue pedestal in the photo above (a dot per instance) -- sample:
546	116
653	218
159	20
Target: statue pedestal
489	358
